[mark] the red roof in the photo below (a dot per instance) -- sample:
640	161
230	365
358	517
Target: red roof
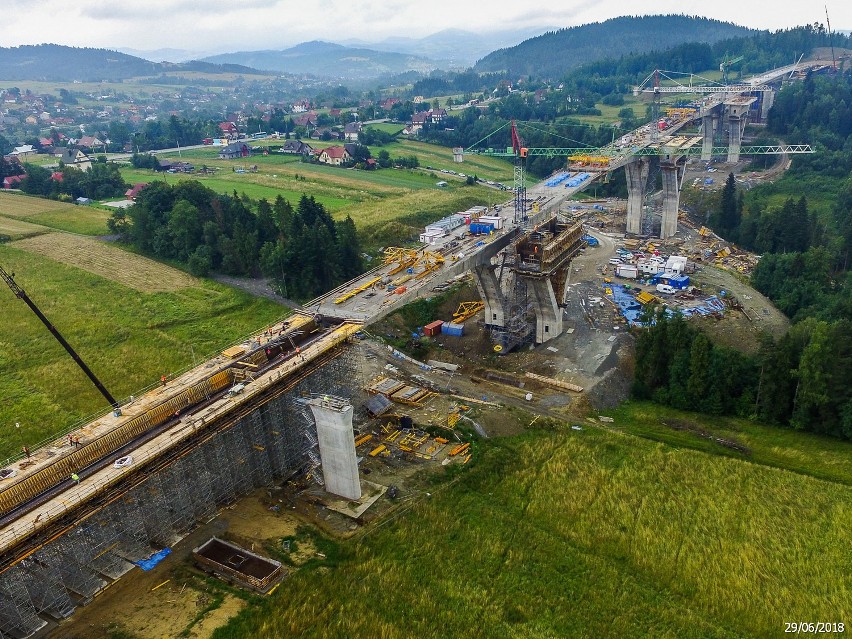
12	180
335	152
57	176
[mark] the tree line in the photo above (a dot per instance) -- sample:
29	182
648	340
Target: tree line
301	248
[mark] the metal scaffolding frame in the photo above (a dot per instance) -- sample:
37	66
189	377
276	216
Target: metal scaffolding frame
271	443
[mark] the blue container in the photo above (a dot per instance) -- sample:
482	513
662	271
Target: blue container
448	328
480	228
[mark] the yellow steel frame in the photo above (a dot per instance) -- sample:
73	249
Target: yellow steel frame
355	291
466	310
404	258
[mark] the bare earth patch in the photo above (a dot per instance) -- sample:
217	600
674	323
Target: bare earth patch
108	261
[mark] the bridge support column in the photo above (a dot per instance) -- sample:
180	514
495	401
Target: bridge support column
548	312
766	102
333	417
710	125
672	175
489	290
735	137
637	178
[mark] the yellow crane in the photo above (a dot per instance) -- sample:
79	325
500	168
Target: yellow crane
431	262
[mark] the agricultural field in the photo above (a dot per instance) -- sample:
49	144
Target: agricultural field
127	332
592	533
387	204
18	208
16	229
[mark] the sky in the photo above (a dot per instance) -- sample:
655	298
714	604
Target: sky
229	25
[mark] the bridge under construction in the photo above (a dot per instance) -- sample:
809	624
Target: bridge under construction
80	513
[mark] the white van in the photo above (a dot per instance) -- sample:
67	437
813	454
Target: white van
616	261
665	288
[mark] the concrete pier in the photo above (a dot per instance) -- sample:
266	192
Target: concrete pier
491	294
333	417
637	179
672	175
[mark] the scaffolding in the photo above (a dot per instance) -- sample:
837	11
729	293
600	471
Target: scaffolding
161	504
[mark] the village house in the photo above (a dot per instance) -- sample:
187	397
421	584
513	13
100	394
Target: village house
296	147
235	150
75	158
351	131
335	156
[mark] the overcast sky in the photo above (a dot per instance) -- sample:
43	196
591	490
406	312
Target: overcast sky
229	25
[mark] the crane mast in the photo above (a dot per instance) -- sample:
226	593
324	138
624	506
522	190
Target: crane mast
22	294
520	153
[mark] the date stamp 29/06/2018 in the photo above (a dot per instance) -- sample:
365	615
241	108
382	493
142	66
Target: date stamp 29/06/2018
814	627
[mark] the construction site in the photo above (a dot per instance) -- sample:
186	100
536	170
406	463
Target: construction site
335	415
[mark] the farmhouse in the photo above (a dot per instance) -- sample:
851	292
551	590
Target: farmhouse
351	131
229	130
296	147
24	151
75	158
131	193
335	156
235	150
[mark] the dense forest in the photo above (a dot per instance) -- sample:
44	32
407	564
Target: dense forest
589	42
802	379
301	248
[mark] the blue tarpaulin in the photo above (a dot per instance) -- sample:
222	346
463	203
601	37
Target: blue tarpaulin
153	560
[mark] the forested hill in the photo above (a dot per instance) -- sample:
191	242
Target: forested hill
552	54
57	63
329	60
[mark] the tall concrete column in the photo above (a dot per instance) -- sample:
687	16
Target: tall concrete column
491	294
333	417
710	126
637	177
671	198
766	102
735	137
548	314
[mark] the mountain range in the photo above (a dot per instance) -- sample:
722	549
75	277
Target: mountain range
55	62
330	60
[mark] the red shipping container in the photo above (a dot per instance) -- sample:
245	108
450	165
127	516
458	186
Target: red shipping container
433	328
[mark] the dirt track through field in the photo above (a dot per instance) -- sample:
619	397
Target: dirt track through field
108	261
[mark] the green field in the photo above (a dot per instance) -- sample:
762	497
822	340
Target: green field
127	337
388	205
562	533
18	210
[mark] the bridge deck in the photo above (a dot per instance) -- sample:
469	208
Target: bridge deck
94	484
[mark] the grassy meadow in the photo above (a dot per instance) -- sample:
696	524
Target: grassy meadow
128	334
562	533
18	211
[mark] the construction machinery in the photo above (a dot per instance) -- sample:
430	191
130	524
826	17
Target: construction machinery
402	257
466	310
21	294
